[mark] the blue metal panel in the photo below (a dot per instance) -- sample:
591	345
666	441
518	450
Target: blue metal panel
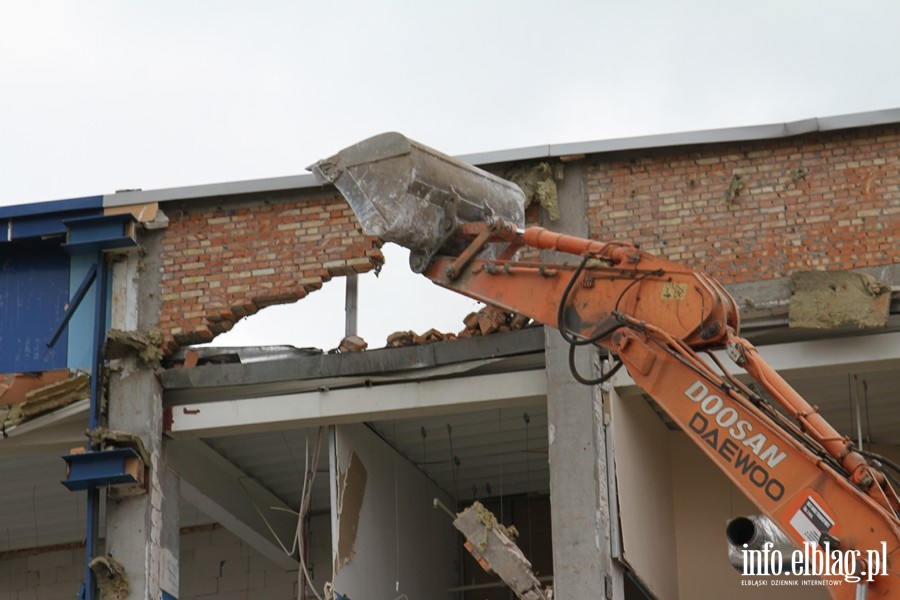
34	288
94	203
45	218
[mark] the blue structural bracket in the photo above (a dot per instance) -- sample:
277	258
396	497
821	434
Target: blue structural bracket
100	468
102	232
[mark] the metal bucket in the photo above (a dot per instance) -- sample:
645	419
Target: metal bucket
410	194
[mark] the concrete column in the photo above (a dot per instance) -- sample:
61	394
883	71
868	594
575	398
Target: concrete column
579	504
142	531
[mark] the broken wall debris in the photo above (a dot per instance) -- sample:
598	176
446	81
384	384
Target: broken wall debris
45	399
538	182
836	299
145	345
401	546
486	321
352	343
352	492
490	320
15	387
495	549
111	580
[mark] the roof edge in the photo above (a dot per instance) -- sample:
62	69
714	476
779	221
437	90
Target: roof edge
690	138
664	140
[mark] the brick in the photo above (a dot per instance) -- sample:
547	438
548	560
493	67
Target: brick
789	222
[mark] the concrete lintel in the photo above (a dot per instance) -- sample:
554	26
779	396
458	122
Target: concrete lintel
356	405
851	354
222	491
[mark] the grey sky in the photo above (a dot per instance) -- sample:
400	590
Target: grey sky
103	95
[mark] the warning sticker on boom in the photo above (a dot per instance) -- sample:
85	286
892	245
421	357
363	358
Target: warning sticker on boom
674	291
811	521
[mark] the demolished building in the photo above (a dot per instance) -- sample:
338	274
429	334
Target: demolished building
605	493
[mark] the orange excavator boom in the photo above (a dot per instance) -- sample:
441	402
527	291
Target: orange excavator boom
655	316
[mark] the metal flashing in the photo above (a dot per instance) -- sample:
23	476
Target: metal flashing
689	138
231	188
51	207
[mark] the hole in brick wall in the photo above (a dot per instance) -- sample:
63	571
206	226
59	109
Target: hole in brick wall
396	300
315	321
400	300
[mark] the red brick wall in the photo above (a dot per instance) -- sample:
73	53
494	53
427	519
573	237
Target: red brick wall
222	262
824	201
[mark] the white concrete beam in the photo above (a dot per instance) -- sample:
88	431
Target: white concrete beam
856	354
835	356
356	405
235	500
57	431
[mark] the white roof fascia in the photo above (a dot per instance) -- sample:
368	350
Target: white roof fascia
665	140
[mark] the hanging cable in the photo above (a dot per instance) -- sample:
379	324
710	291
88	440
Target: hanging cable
575	341
454	466
527	419
581	379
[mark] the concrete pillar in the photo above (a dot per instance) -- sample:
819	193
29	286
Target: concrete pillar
142	531
579	504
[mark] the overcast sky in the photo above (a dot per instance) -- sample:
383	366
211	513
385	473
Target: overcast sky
97	96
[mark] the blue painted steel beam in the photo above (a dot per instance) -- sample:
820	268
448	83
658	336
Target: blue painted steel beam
99	469
74	303
92	233
92	539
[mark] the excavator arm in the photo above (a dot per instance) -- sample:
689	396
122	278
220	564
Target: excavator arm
659	319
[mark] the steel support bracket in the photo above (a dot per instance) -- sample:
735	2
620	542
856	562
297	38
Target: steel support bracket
101	468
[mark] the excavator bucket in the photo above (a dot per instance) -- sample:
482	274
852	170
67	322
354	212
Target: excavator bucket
407	193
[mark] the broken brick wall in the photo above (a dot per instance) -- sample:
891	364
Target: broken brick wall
757	210
224	260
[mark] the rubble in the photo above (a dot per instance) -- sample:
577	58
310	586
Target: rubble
45	399
495	549
486	321
110	578
490	320
15	387
352	343
539	183
399	339
145	345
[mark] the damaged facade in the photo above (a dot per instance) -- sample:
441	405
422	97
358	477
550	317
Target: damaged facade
364	443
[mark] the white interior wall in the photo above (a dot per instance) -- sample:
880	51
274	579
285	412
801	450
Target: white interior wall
705	500
391	542
646	503
214	565
674	505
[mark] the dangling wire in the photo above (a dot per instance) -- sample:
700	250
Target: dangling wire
454	465
527	419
